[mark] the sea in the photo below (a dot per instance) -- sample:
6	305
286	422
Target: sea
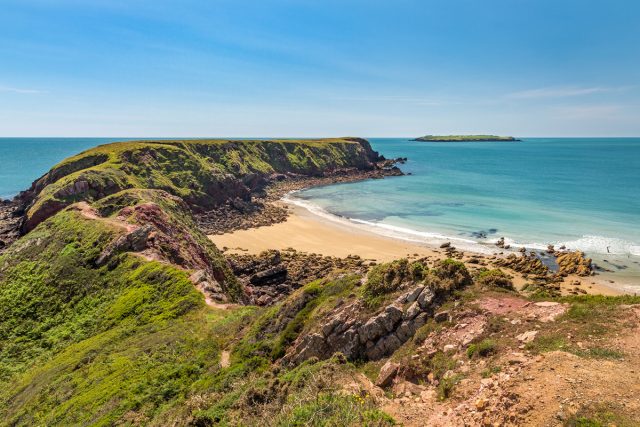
583	193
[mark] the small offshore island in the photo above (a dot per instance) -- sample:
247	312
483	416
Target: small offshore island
465	138
169	283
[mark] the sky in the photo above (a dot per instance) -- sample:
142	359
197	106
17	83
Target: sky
294	68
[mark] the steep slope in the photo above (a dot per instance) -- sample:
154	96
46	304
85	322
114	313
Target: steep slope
103	317
204	173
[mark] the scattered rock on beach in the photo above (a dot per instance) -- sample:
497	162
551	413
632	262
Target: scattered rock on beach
574	263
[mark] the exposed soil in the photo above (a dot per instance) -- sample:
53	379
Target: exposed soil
516	384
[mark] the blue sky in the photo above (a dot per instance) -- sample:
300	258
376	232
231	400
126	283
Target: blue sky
319	68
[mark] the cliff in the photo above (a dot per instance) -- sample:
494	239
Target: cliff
204	173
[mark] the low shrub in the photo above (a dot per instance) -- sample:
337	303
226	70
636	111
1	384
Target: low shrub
484	348
389	277
494	278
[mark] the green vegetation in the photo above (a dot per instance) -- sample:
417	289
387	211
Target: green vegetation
494	278
202	172
589	318
464	138
602	415
490	371
132	342
386	278
136	328
281	324
447	385
483	348
336	410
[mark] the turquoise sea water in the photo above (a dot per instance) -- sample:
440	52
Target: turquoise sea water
580	192
23	160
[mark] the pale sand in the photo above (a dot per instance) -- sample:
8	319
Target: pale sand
308	232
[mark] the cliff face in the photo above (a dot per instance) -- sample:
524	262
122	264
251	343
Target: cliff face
204	173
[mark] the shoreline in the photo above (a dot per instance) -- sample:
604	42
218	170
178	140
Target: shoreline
308	231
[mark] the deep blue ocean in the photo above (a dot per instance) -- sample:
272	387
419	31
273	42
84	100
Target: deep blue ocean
581	192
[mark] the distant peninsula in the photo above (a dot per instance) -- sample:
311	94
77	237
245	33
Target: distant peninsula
464	138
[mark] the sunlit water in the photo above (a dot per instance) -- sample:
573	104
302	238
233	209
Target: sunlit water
580	192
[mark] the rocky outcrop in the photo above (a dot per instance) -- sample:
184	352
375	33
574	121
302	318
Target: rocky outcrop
368	338
134	241
158	226
525	263
272	275
10	220
574	263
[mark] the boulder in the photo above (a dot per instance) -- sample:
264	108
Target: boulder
387	374
134	241
526	337
442	316
413	310
425	298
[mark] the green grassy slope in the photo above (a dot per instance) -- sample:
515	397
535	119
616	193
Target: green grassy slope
94	333
204	173
133	343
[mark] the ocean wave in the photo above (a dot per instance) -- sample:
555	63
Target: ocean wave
587	243
604	245
394	231
600	245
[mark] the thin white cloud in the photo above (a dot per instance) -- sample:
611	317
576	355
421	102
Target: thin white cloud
588	112
563	92
19	90
395	99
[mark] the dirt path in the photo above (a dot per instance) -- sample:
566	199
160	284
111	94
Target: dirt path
90	213
225	361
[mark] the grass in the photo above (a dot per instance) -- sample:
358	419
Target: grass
602	415
490	371
194	170
589	319
336	410
280	325
387	278
89	345
447	385
483	348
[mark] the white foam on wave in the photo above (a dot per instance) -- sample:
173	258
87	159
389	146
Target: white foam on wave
588	243
388	230
604	245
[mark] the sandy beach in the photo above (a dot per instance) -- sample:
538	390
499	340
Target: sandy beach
308	232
